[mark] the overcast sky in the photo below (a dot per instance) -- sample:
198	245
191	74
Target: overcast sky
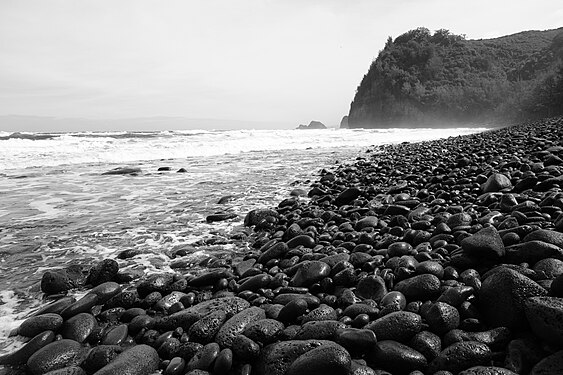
283	61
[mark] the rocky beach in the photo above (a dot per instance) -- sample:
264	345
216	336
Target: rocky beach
439	257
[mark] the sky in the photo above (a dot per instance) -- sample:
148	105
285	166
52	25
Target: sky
234	63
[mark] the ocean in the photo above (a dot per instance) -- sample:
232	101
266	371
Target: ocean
57	208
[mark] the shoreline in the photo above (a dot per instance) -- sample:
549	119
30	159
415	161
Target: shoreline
391	265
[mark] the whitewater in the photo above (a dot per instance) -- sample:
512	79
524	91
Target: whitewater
57	209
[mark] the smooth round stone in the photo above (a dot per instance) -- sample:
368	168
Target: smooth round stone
21	355
264	331
99	356
82	305
398	326
332	360
102	272
53	282
301	240
419	287
138	360
360	308
285	298
105	291
205	329
55	307
502	297
79	327
442	318
292	310
333	260
399	249
223	362
320	330
167	301
323	312
275	359
496	338
431	267
155	283
175	367
36	324
394	298
545	235
397	358
237	324
55	355
115	335
371	287
356	340
545	315
427	343
187	317
310	272
277	251
140	322
487	370
256	282
245	348
461	356
205	357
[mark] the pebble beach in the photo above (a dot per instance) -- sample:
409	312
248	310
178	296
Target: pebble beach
439	257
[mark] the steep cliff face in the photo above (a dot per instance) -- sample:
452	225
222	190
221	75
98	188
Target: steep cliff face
442	79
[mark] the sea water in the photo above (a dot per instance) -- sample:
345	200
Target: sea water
57	208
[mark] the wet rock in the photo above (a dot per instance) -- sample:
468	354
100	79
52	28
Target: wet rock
485	243
549	267
53	282
502	297
105	291
255	217
442	318
461	356
99	356
264	331
397	326
545	315
138	360
55	355
397	358
237	324
205	329
356	340
320	330
275	359
21	355
371	287
496	338
123	171
347	196
552	364
427	343
544	235
245	348
278	250
78	327
496	182
84	304
487	370
220	217
187	317
115	335
420	287
310	272
102	272
223	362
204	358
292	310
332	360
37	324
323	312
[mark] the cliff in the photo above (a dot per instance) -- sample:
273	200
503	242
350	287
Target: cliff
422	79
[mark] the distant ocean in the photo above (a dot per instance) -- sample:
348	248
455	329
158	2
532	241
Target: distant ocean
57	209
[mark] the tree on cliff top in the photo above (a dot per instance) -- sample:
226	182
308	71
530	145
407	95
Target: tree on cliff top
423	78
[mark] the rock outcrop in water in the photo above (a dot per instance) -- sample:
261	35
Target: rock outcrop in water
414	259
422	79
312	125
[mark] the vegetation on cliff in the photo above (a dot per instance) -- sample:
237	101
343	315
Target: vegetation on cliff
425	79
